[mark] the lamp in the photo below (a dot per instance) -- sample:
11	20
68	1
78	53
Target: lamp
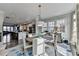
39	6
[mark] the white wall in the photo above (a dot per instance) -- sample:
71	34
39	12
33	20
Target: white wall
68	27
1	23
77	28
1	20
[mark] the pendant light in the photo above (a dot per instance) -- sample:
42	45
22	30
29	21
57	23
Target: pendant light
39	15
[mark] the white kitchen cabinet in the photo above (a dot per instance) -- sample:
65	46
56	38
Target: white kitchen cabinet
38	46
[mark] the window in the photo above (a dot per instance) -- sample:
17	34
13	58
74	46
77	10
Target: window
11	28
50	26
4	39
8	28
8	37
44	27
4	28
61	25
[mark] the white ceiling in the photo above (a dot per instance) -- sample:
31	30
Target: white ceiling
21	12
